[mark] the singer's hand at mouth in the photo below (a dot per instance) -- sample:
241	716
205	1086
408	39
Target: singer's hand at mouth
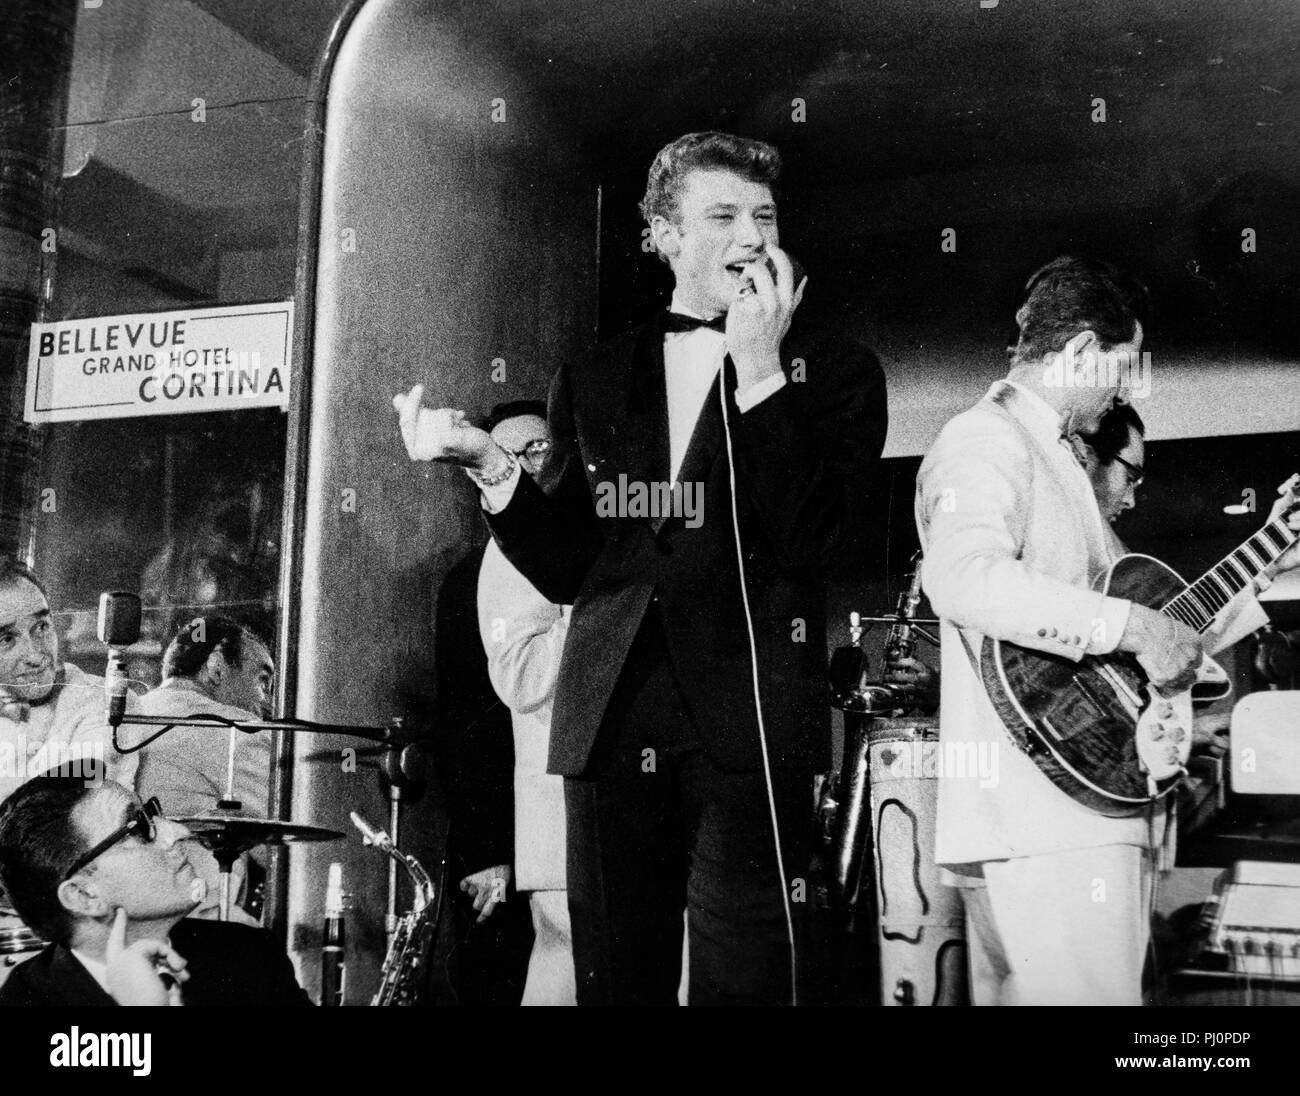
487	888
757	321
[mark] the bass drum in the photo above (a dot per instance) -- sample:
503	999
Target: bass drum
17	943
922	922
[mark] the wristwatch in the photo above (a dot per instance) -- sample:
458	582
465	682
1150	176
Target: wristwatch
501	477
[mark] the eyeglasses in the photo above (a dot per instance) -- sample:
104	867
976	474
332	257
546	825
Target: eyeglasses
140	825
534	450
1133	472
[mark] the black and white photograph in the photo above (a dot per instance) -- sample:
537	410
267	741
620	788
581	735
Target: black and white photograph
697	502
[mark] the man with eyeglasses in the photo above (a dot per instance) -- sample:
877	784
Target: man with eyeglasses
1114	456
106	880
523	634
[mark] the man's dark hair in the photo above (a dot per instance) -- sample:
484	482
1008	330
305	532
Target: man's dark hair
11	570
195	642
513	410
39	842
1113	433
754	160
1070	295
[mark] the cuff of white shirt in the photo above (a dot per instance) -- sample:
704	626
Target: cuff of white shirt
1113	621
497	498
756	393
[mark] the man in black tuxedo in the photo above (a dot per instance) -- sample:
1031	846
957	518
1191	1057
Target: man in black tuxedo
107	881
673	772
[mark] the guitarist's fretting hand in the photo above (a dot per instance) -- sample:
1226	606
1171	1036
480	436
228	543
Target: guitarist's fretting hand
1168	650
1286	507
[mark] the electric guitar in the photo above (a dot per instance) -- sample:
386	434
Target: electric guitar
1097	728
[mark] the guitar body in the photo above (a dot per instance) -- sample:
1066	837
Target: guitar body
1095	727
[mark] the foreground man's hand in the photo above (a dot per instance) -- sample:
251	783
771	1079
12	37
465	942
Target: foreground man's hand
487	888
132	969
444	435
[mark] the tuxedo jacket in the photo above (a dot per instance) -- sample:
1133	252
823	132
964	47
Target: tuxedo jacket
228	964
802	457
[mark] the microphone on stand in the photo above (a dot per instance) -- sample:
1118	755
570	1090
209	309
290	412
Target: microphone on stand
900	646
119	626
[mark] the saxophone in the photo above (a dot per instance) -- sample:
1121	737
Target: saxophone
401	975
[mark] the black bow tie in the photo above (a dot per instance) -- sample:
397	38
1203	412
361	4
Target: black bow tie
675	322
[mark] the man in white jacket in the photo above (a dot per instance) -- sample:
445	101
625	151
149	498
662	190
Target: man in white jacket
1058	897
212	666
523	635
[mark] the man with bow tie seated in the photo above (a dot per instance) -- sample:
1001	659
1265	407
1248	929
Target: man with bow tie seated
673	773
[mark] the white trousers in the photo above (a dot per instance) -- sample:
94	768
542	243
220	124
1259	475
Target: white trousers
551	979
1067	928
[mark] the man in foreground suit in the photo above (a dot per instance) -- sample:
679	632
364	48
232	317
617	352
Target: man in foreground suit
108	883
665	754
1058	897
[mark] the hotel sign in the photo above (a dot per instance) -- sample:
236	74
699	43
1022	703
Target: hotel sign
160	363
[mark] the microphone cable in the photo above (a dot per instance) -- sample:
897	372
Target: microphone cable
758	702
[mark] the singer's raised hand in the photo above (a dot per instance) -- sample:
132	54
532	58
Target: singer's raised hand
132	970
760	316
441	434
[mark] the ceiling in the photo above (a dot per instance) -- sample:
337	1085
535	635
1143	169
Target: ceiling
918	113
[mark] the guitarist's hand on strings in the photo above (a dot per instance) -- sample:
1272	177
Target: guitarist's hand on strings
1168	650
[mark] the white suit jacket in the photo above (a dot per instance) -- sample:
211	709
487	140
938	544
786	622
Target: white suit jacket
186	767
1013	538
524	635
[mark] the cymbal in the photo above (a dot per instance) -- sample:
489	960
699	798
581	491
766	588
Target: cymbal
232	833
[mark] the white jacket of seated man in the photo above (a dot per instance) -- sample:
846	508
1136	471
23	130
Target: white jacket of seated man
523	635
186	770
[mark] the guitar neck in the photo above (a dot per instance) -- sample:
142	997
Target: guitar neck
1201	602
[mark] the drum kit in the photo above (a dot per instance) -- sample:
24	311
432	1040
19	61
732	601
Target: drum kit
17	941
881	810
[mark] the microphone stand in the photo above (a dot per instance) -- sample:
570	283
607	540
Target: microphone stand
401	766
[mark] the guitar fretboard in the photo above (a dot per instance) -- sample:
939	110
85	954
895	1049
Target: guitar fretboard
1201	602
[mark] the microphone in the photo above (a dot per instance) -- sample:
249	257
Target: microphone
901	645
119	626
